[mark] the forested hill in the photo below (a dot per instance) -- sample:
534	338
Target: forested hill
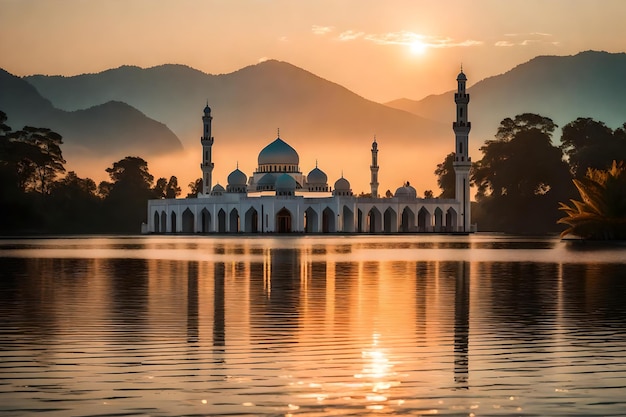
108	129
589	84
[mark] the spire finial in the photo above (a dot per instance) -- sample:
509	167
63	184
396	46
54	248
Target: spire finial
341	172
315	162
461	67
237	164
278	132
374	138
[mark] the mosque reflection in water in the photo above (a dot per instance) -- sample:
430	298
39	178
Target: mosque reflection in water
285	302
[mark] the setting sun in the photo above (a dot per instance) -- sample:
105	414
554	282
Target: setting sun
418	47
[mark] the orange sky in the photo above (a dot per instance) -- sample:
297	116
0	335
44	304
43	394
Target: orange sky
380	50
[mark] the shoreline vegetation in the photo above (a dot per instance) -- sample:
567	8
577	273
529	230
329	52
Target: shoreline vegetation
521	182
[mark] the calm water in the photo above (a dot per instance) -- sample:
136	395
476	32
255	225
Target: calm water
311	326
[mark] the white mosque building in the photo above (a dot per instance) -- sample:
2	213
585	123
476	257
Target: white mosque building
279	198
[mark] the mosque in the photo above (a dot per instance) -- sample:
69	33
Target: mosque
279	198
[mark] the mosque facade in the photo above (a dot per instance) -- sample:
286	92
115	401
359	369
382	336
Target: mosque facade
279	198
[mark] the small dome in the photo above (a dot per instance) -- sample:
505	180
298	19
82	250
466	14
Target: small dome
267	179
217	190
406	191
207	109
237	177
461	76
285	183
342	184
279	153
317	176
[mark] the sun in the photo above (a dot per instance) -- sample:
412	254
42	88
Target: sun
418	47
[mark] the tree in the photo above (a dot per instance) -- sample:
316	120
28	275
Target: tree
159	188
172	190
125	198
429	194
42	160
74	205
521	177
195	187
601	212
591	144
446	179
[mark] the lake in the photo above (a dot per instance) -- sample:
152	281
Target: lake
311	326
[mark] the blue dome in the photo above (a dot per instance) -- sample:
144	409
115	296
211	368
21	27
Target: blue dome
267	179
278	153
286	183
237	177
461	77
317	176
207	109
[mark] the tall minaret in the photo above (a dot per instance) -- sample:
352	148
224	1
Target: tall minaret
207	144
462	161
374	169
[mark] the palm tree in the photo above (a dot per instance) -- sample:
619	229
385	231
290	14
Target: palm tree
602	212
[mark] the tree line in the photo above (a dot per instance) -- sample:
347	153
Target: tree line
525	183
37	195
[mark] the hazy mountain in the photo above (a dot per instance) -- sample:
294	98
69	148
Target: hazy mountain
109	129
589	84
321	119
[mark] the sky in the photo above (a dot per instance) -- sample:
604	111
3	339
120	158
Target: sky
382	50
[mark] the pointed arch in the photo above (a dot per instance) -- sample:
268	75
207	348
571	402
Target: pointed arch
233	224
221	221
188	221
252	221
163	222
390	221
173	222
311	220
407	223
348	220
423	220
438	220
205	218
328	221
283	221
157	222
374	221
451	220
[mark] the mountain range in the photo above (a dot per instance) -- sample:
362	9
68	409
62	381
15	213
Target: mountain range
324	121
108	129
588	84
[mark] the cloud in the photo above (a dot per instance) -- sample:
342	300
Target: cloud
526	39
504	43
408	38
350	35
321	30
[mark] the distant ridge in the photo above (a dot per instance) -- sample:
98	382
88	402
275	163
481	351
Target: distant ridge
109	129
588	84
320	119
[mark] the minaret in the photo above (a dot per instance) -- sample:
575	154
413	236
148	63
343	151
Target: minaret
207	144
462	161
374	169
